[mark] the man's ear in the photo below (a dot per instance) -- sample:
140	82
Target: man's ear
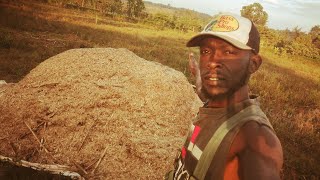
255	62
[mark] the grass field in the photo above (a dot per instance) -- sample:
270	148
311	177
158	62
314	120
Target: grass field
289	87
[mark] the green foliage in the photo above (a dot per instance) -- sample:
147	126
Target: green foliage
186	21
315	31
180	20
135	8
256	13
290	42
293	42
130	5
161	21
111	7
315	35
138	8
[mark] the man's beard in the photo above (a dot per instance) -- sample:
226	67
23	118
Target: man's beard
243	81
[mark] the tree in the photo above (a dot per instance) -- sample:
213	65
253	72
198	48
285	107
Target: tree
130	5
296	32
135	8
256	13
315	31
90	3
138	8
315	35
116	7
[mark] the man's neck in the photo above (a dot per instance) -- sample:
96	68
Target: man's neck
240	95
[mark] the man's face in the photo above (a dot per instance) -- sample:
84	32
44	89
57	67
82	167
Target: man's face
223	67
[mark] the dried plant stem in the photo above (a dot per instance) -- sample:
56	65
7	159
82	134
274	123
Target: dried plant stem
34	129
80	167
100	159
89	130
89	166
45	149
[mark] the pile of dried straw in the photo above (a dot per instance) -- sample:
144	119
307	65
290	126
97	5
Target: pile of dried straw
104	112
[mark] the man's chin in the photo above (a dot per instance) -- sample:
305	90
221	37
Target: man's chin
216	94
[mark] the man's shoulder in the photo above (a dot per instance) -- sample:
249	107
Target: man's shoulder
261	139
252	131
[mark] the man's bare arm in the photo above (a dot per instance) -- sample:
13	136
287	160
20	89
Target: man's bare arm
262	157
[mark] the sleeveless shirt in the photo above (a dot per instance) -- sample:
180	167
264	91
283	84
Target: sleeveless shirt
200	132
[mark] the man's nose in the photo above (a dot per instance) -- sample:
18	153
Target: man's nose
214	62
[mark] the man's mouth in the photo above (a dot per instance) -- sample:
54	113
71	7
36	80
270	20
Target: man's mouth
214	79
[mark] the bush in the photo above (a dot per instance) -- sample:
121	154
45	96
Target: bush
292	42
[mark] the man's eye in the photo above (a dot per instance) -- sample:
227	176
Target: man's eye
228	52
205	51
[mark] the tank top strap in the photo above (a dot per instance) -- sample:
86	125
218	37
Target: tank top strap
250	113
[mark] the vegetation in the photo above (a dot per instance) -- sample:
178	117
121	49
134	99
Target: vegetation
166	17
256	13
113	7
135	8
290	60
284	42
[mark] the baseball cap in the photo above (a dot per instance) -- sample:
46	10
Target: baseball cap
235	29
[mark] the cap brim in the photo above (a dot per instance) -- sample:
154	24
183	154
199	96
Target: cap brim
196	40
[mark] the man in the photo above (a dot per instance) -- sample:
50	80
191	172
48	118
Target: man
231	137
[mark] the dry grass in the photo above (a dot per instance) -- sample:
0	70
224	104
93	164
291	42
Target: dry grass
289	86
78	29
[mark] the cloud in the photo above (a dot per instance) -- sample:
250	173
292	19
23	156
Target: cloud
271	1
306	8
292	13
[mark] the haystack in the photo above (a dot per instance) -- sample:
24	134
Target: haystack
105	113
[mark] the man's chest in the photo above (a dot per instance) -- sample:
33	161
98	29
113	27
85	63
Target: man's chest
198	138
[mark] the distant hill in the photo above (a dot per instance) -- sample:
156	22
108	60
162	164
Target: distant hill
154	8
157	7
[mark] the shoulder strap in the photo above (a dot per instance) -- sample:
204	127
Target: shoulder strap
250	113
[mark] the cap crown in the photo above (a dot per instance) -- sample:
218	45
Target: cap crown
235	29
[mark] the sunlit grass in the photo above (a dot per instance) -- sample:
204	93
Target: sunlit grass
308	68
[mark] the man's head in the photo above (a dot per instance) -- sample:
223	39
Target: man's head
237	30
229	47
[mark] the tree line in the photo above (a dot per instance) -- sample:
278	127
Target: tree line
133	9
283	42
182	20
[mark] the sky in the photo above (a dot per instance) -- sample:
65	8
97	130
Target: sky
283	14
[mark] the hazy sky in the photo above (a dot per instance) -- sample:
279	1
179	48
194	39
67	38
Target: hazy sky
282	13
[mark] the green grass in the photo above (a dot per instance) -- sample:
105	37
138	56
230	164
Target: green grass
289	87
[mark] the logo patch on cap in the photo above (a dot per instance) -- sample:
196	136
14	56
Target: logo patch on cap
223	23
